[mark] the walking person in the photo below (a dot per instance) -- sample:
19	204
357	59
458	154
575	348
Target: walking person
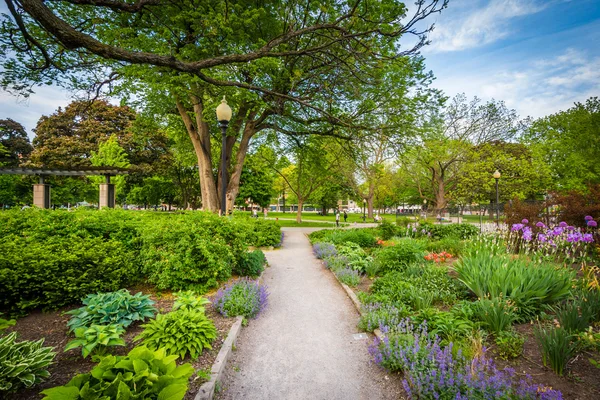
337	219
345	216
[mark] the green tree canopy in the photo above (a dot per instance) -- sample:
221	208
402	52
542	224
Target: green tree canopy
15	142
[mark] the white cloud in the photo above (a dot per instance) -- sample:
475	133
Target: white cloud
534	89
469	26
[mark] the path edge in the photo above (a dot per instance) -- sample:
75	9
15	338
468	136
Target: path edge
207	390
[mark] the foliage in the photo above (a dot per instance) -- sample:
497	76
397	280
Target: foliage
188	300
96	339
5	323
243	297
450	245
324	250
120	308
438	257
497	313
448	326
251	264
179	332
509	344
377	314
142	374
355	257
443	231
14	140
348	276
361	236
435	371
58	271
22	364
405	252
387	229
577	313
529	285
264	233
557	347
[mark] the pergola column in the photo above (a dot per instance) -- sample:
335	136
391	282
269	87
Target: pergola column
41	194
107	194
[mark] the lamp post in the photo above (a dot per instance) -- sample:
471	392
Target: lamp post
497	178
223	117
425	208
364	210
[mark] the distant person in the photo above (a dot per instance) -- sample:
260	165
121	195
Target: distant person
337	219
345	216
265	211
254	213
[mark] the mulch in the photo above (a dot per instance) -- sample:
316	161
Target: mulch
52	326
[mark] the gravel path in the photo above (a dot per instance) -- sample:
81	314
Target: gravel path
303	347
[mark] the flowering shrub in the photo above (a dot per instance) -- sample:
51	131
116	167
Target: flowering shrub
348	276
438	257
434	372
324	250
244	297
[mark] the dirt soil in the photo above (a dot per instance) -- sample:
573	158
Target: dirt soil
53	327
580	382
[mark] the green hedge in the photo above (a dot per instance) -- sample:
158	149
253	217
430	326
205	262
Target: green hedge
50	259
364	237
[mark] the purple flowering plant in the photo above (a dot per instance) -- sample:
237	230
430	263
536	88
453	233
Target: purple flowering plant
243	297
563	242
433	371
324	250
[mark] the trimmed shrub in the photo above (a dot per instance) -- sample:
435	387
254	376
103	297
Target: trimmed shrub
251	264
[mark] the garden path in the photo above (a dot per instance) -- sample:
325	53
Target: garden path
302	346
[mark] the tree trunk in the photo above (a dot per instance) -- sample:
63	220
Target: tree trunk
299	211
440	196
233	185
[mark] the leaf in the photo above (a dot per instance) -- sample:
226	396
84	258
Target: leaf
61	393
172	392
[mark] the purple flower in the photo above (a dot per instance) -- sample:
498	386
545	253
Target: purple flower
540	224
243	297
588	237
525	221
589	218
527	234
570	228
557	231
516	227
563	224
592	224
542	238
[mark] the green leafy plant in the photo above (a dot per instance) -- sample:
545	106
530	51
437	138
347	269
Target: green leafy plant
387	230
355	257
251	264
243	297
509	344
118	307
450	244
497	314
557	347
179	332
446	325
96	339
5	323
22	364
529	285
189	300
142	374
348	276
405	252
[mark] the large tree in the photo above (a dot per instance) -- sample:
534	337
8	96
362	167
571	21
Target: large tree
15	141
280	63
570	143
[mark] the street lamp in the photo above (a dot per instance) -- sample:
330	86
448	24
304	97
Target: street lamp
364	210
425	207
497	178
223	117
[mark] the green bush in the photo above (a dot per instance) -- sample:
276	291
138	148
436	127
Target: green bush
179	332
5	323
364	237
448	326
251	264
557	347
96	339
60	270
441	231
22	364
188	300
142	374
405	252
509	344
387	230
451	245
497	314
355	257
265	233
529	285
118	307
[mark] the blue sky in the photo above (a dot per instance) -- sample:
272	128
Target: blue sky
539	56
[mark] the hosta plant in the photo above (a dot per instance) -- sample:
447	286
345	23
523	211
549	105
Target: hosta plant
142	374
5	323
189	300
118	307
96	339
179	332
22	364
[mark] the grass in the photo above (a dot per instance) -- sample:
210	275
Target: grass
312	216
